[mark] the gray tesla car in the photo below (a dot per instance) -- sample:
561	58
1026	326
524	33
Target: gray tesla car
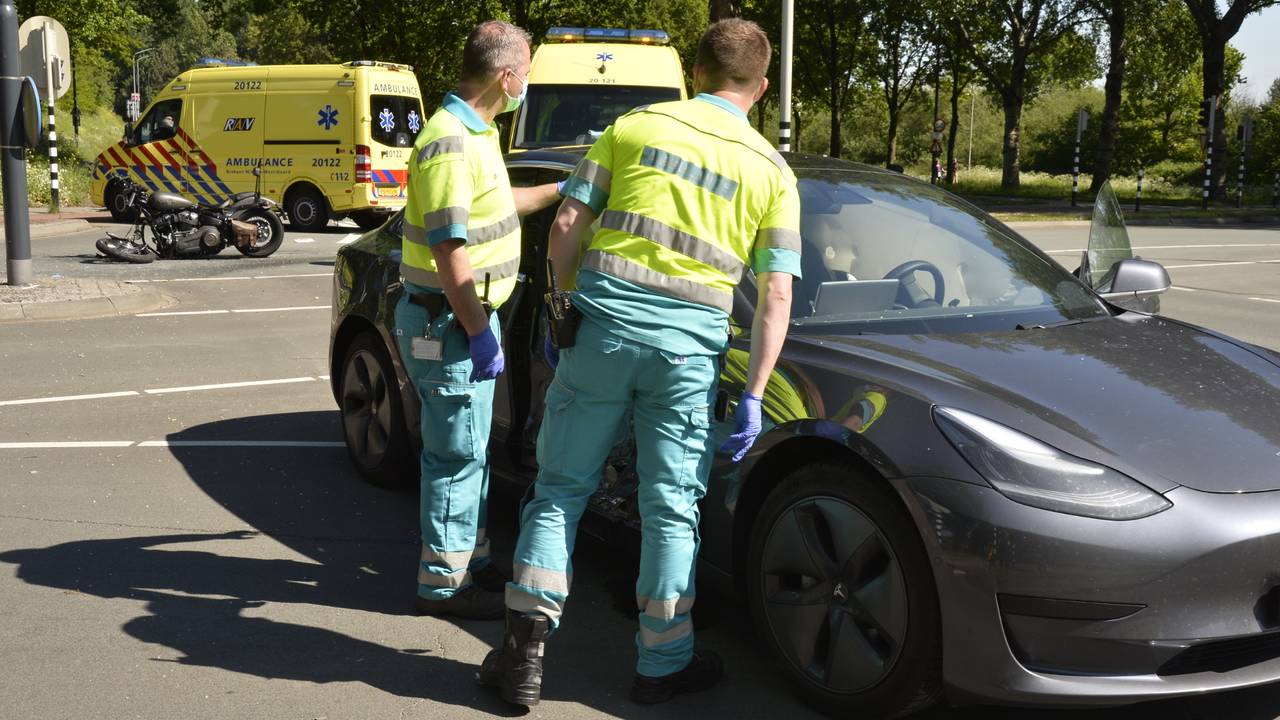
983	476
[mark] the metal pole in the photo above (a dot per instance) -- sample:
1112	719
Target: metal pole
1208	154
13	163
75	94
784	77
1137	203
1275	192
53	132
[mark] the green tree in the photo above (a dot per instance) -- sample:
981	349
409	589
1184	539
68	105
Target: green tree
110	27
190	39
831	40
282	36
1163	85
1216	30
902	57
1013	45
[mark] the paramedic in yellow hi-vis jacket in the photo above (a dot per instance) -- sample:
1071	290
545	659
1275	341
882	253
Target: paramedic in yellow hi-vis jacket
461	256
689	198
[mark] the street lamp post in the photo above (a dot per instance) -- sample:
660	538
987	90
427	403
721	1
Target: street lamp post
136	99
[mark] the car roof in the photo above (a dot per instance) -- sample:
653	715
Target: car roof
797	161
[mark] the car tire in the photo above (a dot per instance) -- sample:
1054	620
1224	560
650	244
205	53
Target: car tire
368	220
117	204
307	209
840	589
372	414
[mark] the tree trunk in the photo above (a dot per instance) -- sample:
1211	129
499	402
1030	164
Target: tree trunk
891	152
721	9
833	63
957	90
1010	176
1111	108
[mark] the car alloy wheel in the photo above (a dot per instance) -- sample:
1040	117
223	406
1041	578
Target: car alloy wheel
372	418
841	589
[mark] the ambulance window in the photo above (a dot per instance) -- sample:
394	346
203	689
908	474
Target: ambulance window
159	124
396	119
577	114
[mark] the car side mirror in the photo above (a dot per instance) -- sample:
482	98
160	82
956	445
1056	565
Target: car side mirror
1135	284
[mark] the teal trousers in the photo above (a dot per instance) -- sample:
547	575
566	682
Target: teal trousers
454	485
599	382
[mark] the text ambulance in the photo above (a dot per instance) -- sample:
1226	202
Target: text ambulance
332	140
582	79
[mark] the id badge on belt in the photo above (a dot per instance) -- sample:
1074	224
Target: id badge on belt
427	347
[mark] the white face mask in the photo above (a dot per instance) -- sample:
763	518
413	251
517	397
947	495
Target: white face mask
517	101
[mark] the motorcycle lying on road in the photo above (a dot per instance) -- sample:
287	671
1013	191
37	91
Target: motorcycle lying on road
180	228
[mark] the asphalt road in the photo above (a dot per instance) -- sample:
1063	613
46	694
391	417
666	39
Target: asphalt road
170	549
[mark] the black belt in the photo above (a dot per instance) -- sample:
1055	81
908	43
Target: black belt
435	304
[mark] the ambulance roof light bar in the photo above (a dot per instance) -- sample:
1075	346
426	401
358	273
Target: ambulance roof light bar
221	62
622	35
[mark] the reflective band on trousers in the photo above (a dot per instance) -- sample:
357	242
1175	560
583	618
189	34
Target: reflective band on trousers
653	638
456	560
540	578
591	172
664	609
778	239
431	279
450	580
704	178
658	281
440	146
669	237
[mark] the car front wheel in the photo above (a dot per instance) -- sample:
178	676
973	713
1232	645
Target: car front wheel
373	416
840	588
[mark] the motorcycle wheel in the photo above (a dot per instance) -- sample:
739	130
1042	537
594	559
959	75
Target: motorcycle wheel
125	251
270	233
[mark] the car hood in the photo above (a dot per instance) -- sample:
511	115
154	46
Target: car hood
1165	402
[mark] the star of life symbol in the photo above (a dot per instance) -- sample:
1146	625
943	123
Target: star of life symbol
415	121
328	117
604	56
386	120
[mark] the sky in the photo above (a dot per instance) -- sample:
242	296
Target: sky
1257	40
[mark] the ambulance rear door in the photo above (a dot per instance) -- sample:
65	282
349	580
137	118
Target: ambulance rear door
396	117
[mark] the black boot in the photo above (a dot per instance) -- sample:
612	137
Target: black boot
704	671
516	667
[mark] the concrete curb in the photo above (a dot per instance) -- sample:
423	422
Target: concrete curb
85	308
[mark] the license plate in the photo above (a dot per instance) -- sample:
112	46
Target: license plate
389	191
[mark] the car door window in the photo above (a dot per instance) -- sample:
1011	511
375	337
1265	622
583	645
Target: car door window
159	124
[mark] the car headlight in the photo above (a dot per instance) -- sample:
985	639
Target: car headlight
1030	472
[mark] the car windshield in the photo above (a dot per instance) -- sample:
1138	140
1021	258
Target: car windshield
578	114
886	254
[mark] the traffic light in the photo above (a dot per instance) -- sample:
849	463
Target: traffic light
1206	107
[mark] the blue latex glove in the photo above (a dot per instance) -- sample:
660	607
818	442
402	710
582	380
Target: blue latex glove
487	361
550	352
560	187
746	421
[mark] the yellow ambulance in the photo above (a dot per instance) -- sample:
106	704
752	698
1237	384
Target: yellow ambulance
332	140
582	79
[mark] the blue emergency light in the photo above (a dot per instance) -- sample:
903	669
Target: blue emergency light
622	35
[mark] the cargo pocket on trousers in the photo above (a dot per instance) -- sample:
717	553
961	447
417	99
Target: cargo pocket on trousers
697	451
553	436
449	431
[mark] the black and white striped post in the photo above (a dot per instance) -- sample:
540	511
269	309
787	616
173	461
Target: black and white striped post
1082	120
1208	154
53	162
1246	138
784	79
1275	191
1137	202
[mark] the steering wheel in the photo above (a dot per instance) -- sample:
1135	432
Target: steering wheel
910	294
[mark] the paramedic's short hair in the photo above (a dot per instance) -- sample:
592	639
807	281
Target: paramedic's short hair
734	52
492	47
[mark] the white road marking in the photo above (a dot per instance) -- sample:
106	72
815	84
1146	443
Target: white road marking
1175	287
235	277
1179	247
183	312
1221	264
241	310
65	398
223	386
1270	300
61	445
239	443
304	240
348	239
293	275
322	377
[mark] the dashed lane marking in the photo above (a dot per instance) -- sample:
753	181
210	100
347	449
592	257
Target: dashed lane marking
61	445
1178	247
184	312
304	240
171	444
224	386
348	239
234	277
1270	300
65	398
1221	264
